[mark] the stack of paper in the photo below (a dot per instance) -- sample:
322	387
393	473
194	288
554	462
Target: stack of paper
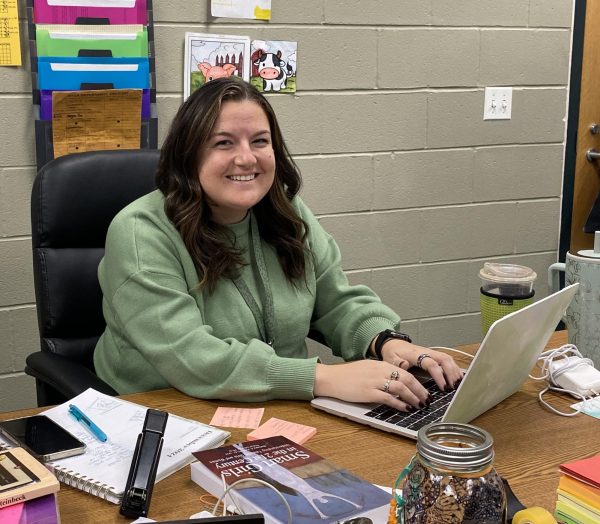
579	492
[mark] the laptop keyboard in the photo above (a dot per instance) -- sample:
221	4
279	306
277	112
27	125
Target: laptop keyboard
417	419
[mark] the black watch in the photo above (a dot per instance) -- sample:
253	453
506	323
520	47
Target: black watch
384	336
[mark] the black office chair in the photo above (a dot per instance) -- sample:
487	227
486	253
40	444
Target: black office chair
73	201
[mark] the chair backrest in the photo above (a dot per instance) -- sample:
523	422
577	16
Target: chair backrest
73	201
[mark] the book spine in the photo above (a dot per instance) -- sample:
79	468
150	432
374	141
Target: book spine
7	499
89	485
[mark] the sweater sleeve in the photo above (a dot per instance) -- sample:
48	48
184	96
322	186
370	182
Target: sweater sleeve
348	316
161	319
164	341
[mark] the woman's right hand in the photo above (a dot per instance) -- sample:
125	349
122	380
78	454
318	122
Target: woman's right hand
371	381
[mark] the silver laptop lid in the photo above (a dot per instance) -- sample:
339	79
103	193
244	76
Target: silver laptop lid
501	365
507	355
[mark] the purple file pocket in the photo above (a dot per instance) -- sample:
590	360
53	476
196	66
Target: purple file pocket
79	12
46	104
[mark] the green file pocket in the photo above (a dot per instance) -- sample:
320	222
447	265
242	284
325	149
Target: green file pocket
82	40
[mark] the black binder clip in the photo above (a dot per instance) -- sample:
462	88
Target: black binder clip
140	482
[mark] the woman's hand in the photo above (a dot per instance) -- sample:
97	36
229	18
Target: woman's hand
371	381
388	381
441	367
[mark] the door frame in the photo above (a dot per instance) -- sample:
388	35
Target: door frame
572	125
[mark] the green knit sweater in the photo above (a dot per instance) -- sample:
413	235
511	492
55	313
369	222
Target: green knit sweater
161	331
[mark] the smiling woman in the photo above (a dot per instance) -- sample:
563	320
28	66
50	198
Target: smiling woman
212	282
238	164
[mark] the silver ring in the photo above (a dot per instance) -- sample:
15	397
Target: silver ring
386	386
395	374
422	357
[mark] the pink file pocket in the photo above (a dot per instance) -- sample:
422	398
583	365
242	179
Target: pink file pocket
90	12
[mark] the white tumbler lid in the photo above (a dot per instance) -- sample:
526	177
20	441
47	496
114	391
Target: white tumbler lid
507	273
592	253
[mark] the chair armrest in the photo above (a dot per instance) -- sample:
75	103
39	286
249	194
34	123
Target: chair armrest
67	377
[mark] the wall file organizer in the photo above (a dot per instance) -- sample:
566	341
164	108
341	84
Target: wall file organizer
81	44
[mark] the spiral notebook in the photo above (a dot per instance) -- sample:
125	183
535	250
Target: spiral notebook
102	470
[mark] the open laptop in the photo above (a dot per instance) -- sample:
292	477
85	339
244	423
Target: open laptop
501	365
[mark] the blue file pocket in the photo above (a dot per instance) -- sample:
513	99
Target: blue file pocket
75	73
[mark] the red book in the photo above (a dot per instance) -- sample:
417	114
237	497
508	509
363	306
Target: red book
586	470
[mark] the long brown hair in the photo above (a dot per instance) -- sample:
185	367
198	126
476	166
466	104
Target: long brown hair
208	242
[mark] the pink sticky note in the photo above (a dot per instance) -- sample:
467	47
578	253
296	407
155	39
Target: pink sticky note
237	417
12	514
298	433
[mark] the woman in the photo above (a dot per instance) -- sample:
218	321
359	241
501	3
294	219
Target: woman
212	282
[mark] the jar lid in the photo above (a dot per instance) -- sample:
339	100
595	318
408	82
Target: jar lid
507	273
455	446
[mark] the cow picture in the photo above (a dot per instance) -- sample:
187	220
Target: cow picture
272	70
273	66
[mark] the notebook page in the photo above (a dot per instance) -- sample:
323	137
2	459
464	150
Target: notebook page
108	463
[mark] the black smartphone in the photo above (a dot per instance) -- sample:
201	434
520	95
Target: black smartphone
42	437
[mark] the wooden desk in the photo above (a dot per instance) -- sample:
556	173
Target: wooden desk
530	443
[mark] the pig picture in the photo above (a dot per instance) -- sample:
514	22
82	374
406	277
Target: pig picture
211	72
208	57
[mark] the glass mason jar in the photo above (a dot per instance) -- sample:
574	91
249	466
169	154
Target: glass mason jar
451	479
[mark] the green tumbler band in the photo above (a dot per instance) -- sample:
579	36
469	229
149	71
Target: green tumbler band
495	307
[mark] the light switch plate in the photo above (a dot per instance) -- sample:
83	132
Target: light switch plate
497	103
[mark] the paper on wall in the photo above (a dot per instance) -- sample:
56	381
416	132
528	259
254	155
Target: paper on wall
209	56
252	9
10	42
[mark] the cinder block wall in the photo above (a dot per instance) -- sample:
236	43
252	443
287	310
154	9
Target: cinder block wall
387	128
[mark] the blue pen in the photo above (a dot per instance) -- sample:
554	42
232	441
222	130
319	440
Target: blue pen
82	418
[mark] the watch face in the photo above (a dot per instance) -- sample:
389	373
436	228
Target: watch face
397	334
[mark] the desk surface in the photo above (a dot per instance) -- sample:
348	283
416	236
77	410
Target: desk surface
530	443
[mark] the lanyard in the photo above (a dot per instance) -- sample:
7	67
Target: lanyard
264	319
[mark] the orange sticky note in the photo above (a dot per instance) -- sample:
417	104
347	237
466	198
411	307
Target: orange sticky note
237	417
298	433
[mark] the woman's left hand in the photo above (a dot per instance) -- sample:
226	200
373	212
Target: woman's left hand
442	368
